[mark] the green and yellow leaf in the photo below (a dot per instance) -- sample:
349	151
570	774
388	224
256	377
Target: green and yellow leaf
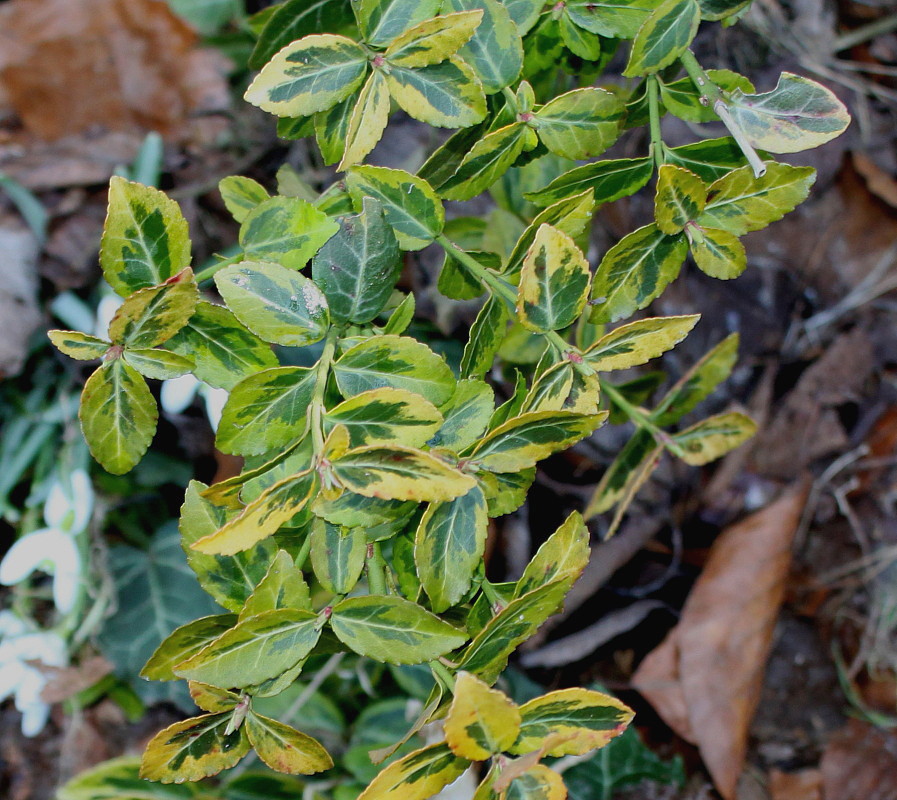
563	556
337	555
433	40
381	21
77	345
367	122
664	36
393	630
286	230
417	776
679	199
570	722
580	124
465	416
386	416
713	437
277	304
194	749
638	342
118	416
539	782
554	282
489	159
486	335
285	749
283	586
495	52
309	75
153	315
241	195
481	722
211	698
445	95
718	253
158	364
608	181
145	239
183	643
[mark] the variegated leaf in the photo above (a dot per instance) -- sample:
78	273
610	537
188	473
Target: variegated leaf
608	180
77	345
496	50
718	253
663	36
445	95
481	722
284	749
286	230
433	40
241	195
283	586
679	199
381	21
713	437
160	365
367	122
417	776
580	124
638	342
386	416
337	555
562	556
153	315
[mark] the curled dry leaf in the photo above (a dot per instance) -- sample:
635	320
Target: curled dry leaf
706	676
860	763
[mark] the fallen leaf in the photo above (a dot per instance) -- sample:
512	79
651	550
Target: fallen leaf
705	677
860	763
68	681
803	785
69	66
880	182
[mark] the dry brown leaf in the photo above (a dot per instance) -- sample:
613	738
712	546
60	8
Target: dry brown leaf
67	682
705	678
803	785
860	763
79	66
880	182
19	312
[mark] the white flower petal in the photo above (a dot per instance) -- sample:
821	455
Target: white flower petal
11	624
34	718
105	312
27	554
215	400
11	674
67	583
58	505
82	499
177	393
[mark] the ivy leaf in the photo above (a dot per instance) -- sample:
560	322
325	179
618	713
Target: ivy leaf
393	630
158	364
608	181
634	272
155	592
465	416
395	361
277	304
183	643
145	238
554	282
739	202
561	557
713	437
571	722
417	776
153	315
230	580
77	345
337	555
713	368
273	508
257	649
445	95
118	416
358	268
386	416
265	411
399	473
223	351
433	40
365	126
523	441
409	203
286	230
241	195
679	199
283	586
490	158
797	115
487	655
486	335
309	75
448	547
294	19
663	37
194	749
496	50
580	124
615	19
718	253
381	21
638	342
285	749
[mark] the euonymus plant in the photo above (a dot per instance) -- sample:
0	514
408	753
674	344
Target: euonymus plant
372	465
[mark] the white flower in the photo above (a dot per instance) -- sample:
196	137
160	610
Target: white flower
177	394
23	651
54	549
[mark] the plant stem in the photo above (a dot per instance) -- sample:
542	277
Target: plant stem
508	92
507	293
302	555
640	418
712	96
209	272
491	595
322	372
862	34
376	568
657	149
441	673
